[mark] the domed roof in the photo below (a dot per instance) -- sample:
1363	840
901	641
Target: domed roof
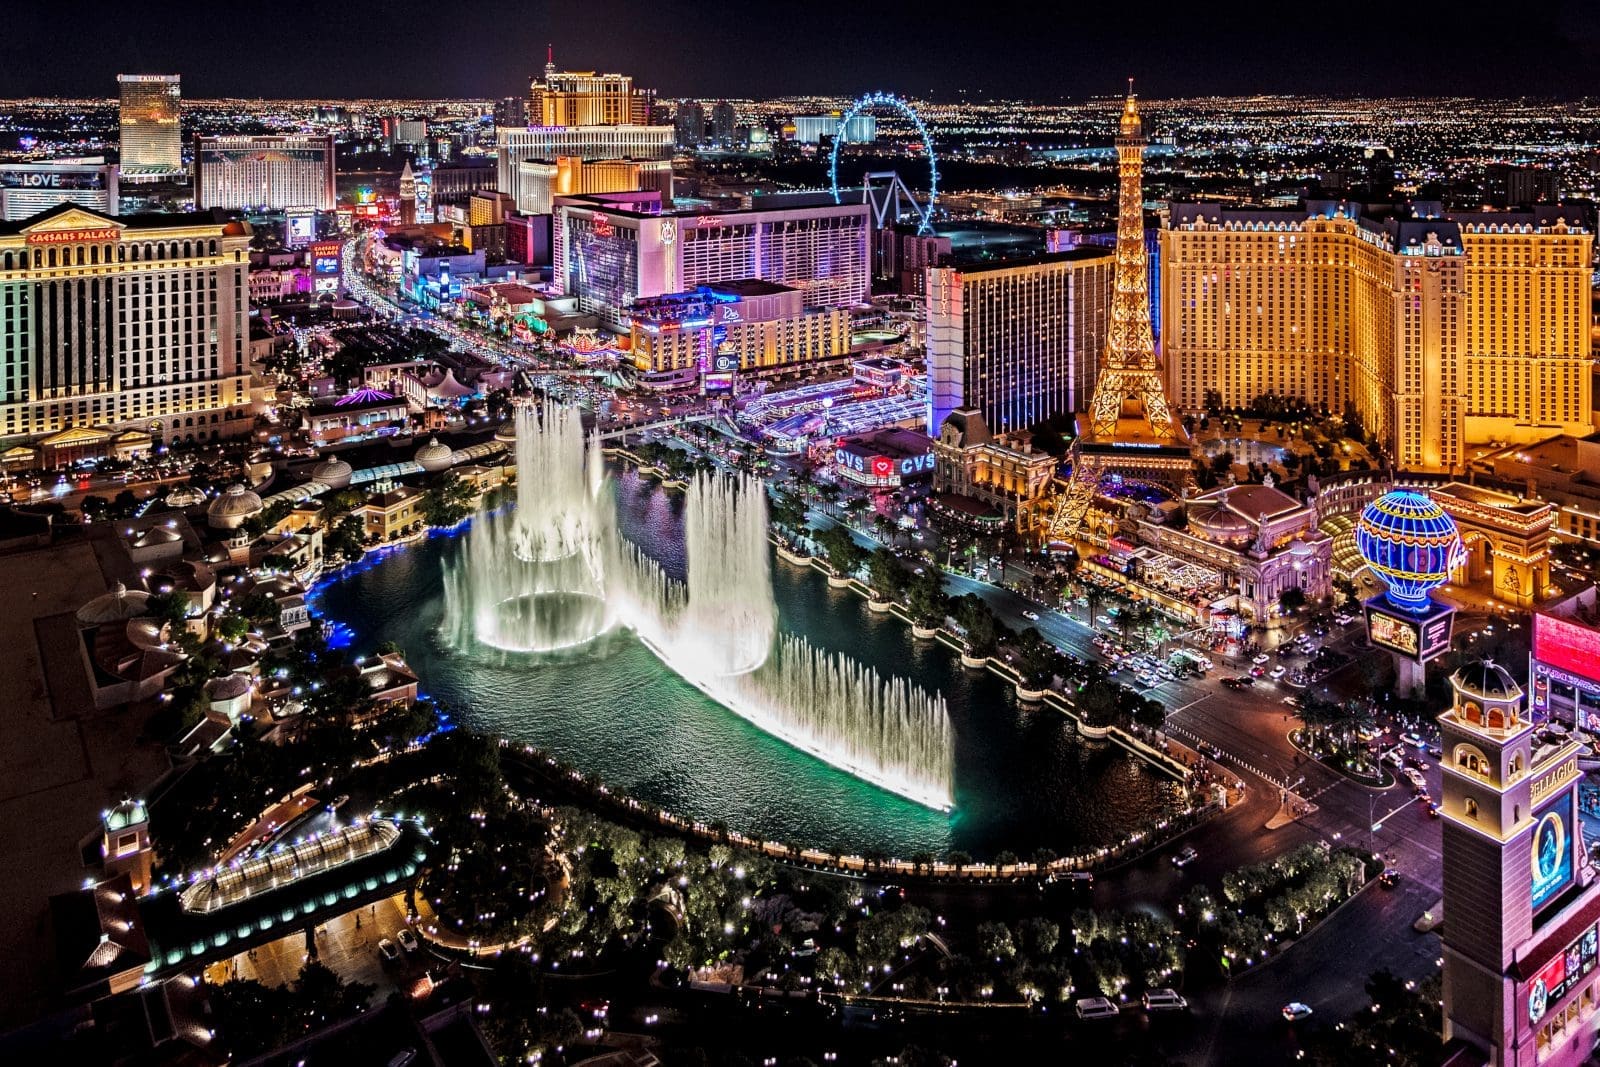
332	472
1217	521
231	508
507	431
185	496
1487	680
117	604
1301	547
434	456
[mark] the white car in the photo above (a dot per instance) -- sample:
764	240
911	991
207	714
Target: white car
1096	1008
1260	659
1414	776
1164	1000
1276	673
1031	615
1296	1010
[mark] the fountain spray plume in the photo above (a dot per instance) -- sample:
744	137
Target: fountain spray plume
555	573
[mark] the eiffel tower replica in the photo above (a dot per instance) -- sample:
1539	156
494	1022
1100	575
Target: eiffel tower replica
1129	429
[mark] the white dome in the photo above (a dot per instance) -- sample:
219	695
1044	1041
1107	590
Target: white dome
434	457
117	604
230	509
185	496
332	472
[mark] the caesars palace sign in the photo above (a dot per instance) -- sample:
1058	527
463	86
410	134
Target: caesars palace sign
68	237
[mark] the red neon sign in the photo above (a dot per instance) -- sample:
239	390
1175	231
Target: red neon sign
601	224
882	466
1567	646
66	237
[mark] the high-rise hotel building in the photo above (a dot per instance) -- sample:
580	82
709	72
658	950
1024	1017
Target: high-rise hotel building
586	98
547	143
1437	329
611	249
585	116
272	171
1020	341
131	322
151	137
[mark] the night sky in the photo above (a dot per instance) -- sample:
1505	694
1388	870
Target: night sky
1041	50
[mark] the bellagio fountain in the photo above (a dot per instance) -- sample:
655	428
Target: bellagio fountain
553	574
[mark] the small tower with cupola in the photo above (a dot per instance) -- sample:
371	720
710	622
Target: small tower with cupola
1520	900
125	844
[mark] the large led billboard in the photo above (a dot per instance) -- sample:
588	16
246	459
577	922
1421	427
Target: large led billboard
1566	646
1417	637
1550	860
1562	973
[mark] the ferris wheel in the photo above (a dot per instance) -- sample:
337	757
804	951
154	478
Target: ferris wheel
893	197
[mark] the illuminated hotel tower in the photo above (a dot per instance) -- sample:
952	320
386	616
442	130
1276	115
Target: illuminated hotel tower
1438	330
152	142
1129	428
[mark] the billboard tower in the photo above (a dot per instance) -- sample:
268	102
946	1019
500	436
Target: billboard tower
1411	544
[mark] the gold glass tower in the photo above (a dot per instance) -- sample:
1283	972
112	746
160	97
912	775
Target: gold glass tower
151	139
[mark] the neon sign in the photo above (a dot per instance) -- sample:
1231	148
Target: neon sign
63	237
600	223
1566	646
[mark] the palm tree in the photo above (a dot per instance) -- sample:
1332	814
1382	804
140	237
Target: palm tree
1096	596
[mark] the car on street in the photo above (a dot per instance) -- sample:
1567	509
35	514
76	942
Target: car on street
408	939
1276	673
1389	878
1031	615
1414	740
1296	1010
1259	658
1257	672
1414	776
1232	683
1096	1008
1185	856
388	951
1164	1000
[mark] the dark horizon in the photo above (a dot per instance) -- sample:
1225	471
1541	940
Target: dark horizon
408	50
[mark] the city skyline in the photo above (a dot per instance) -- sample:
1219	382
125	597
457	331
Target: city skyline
1542	52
